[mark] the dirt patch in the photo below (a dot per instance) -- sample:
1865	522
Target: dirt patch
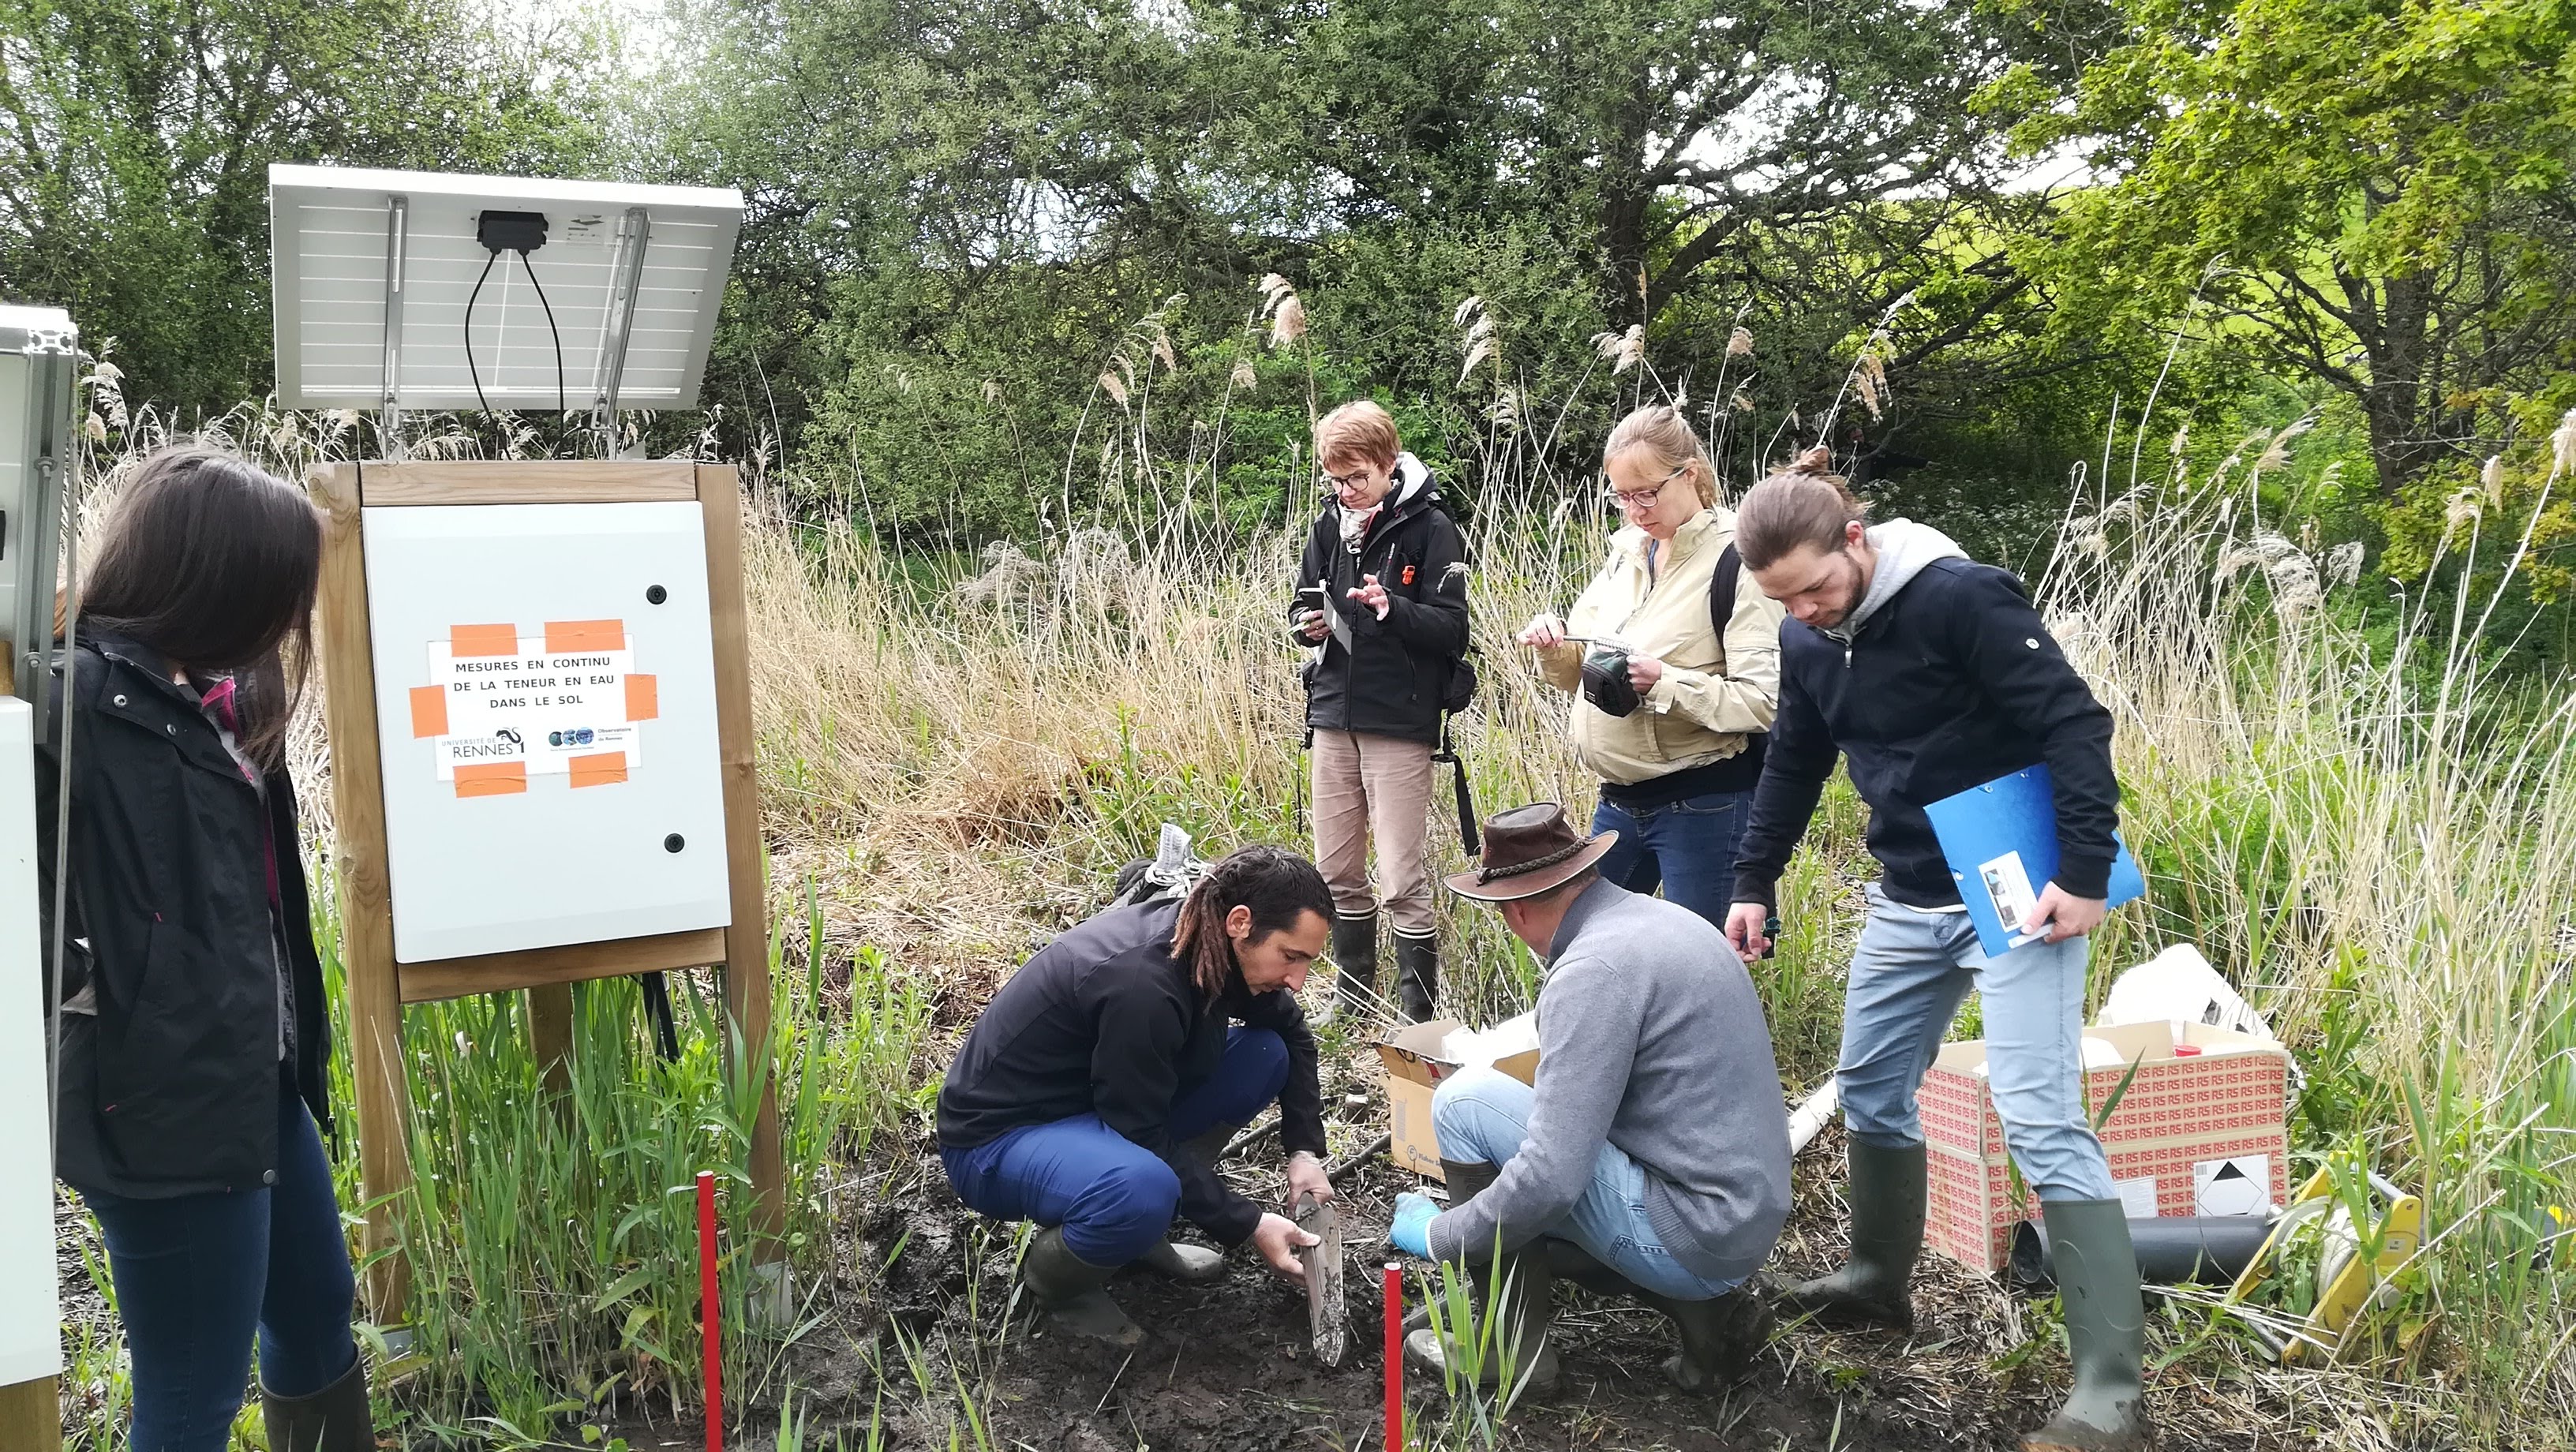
935	1331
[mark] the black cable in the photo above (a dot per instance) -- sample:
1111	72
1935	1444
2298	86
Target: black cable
657	1008
530	268
470	370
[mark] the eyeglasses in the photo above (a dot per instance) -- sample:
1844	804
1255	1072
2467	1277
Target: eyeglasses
1335	483
1643	498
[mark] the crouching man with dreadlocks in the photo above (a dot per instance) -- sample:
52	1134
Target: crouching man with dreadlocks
1098	1087
1652	1157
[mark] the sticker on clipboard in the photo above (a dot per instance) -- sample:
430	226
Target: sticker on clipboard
2007	885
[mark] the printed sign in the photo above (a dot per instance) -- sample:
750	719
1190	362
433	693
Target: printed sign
2238	1185
501	707
2007	885
2138	1197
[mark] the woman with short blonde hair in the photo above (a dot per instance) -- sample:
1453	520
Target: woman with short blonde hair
1674	670
1380	599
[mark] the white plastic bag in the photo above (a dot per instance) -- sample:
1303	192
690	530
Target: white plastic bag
2178	986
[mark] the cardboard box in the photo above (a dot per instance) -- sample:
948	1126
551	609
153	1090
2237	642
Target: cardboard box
1414	1068
2200	1133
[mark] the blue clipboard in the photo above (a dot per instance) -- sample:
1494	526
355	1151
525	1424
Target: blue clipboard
2000	840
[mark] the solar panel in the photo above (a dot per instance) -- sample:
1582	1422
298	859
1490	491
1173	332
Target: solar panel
373	272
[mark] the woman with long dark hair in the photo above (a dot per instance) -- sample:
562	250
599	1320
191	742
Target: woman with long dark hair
195	1035
1095	1091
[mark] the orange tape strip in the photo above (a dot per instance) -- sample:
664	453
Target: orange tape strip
608	768
429	710
643	698
566	637
492	779
464	640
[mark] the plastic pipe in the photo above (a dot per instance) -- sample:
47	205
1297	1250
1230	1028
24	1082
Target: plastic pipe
1394	1357
2173	1250
1811	1115
711	1329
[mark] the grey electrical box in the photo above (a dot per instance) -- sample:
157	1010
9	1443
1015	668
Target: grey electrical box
39	375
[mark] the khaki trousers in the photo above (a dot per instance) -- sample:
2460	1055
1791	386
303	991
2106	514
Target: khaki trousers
1374	786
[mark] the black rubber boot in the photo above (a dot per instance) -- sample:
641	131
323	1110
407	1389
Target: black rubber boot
1193	1264
1886	1196
1071	1291
1720	1337
2106	1330
1515	1301
1354	969
334	1419
1417	976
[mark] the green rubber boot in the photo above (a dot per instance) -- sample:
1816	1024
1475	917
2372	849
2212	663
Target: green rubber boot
1720	1337
1354	970
1193	1264
1072	1291
1417	977
2106	1330
1886	1194
334	1419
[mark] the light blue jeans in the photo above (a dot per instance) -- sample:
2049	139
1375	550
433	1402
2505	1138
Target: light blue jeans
1908	977
1483	1115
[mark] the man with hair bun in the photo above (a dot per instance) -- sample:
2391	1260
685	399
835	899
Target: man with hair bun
1931	674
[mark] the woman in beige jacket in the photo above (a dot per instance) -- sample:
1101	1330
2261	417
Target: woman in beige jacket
1670	708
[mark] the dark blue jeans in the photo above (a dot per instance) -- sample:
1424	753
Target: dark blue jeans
1113	1197
1687	846
196	1275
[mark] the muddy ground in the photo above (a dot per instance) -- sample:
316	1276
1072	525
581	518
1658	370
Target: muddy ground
919	1295
1230	1365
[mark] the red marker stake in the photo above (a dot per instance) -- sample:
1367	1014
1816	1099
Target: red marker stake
1394	1357
709	1310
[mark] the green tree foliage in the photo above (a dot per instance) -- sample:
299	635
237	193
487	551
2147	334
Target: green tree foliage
2374	194
959	213
136	136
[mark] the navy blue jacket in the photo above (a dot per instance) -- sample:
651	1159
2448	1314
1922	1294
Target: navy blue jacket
1104	1020
1951	683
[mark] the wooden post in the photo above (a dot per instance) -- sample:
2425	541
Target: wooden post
31	1416
366	916
746	979
550	1037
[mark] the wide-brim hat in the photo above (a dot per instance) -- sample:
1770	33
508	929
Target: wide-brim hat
1530	850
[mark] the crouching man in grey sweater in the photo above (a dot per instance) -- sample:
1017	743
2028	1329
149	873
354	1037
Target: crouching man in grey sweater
1652	1157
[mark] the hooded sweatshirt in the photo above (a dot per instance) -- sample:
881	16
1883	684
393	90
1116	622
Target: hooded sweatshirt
1386	677
1941	679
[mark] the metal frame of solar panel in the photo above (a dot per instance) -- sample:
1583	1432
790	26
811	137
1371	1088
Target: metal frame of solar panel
373	271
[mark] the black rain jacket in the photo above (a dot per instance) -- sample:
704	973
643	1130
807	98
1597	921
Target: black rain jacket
1949	684
1104	1020
1391	679
170	1088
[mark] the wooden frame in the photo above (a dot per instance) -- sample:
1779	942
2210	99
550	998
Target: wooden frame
378	986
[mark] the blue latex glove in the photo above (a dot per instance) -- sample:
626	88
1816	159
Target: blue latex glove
1411	1232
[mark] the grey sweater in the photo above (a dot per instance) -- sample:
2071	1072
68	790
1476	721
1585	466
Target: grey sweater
1651	1038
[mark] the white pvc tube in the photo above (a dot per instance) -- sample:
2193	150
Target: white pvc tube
1811	1116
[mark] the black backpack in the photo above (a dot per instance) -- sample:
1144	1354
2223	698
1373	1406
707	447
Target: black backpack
1721	609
